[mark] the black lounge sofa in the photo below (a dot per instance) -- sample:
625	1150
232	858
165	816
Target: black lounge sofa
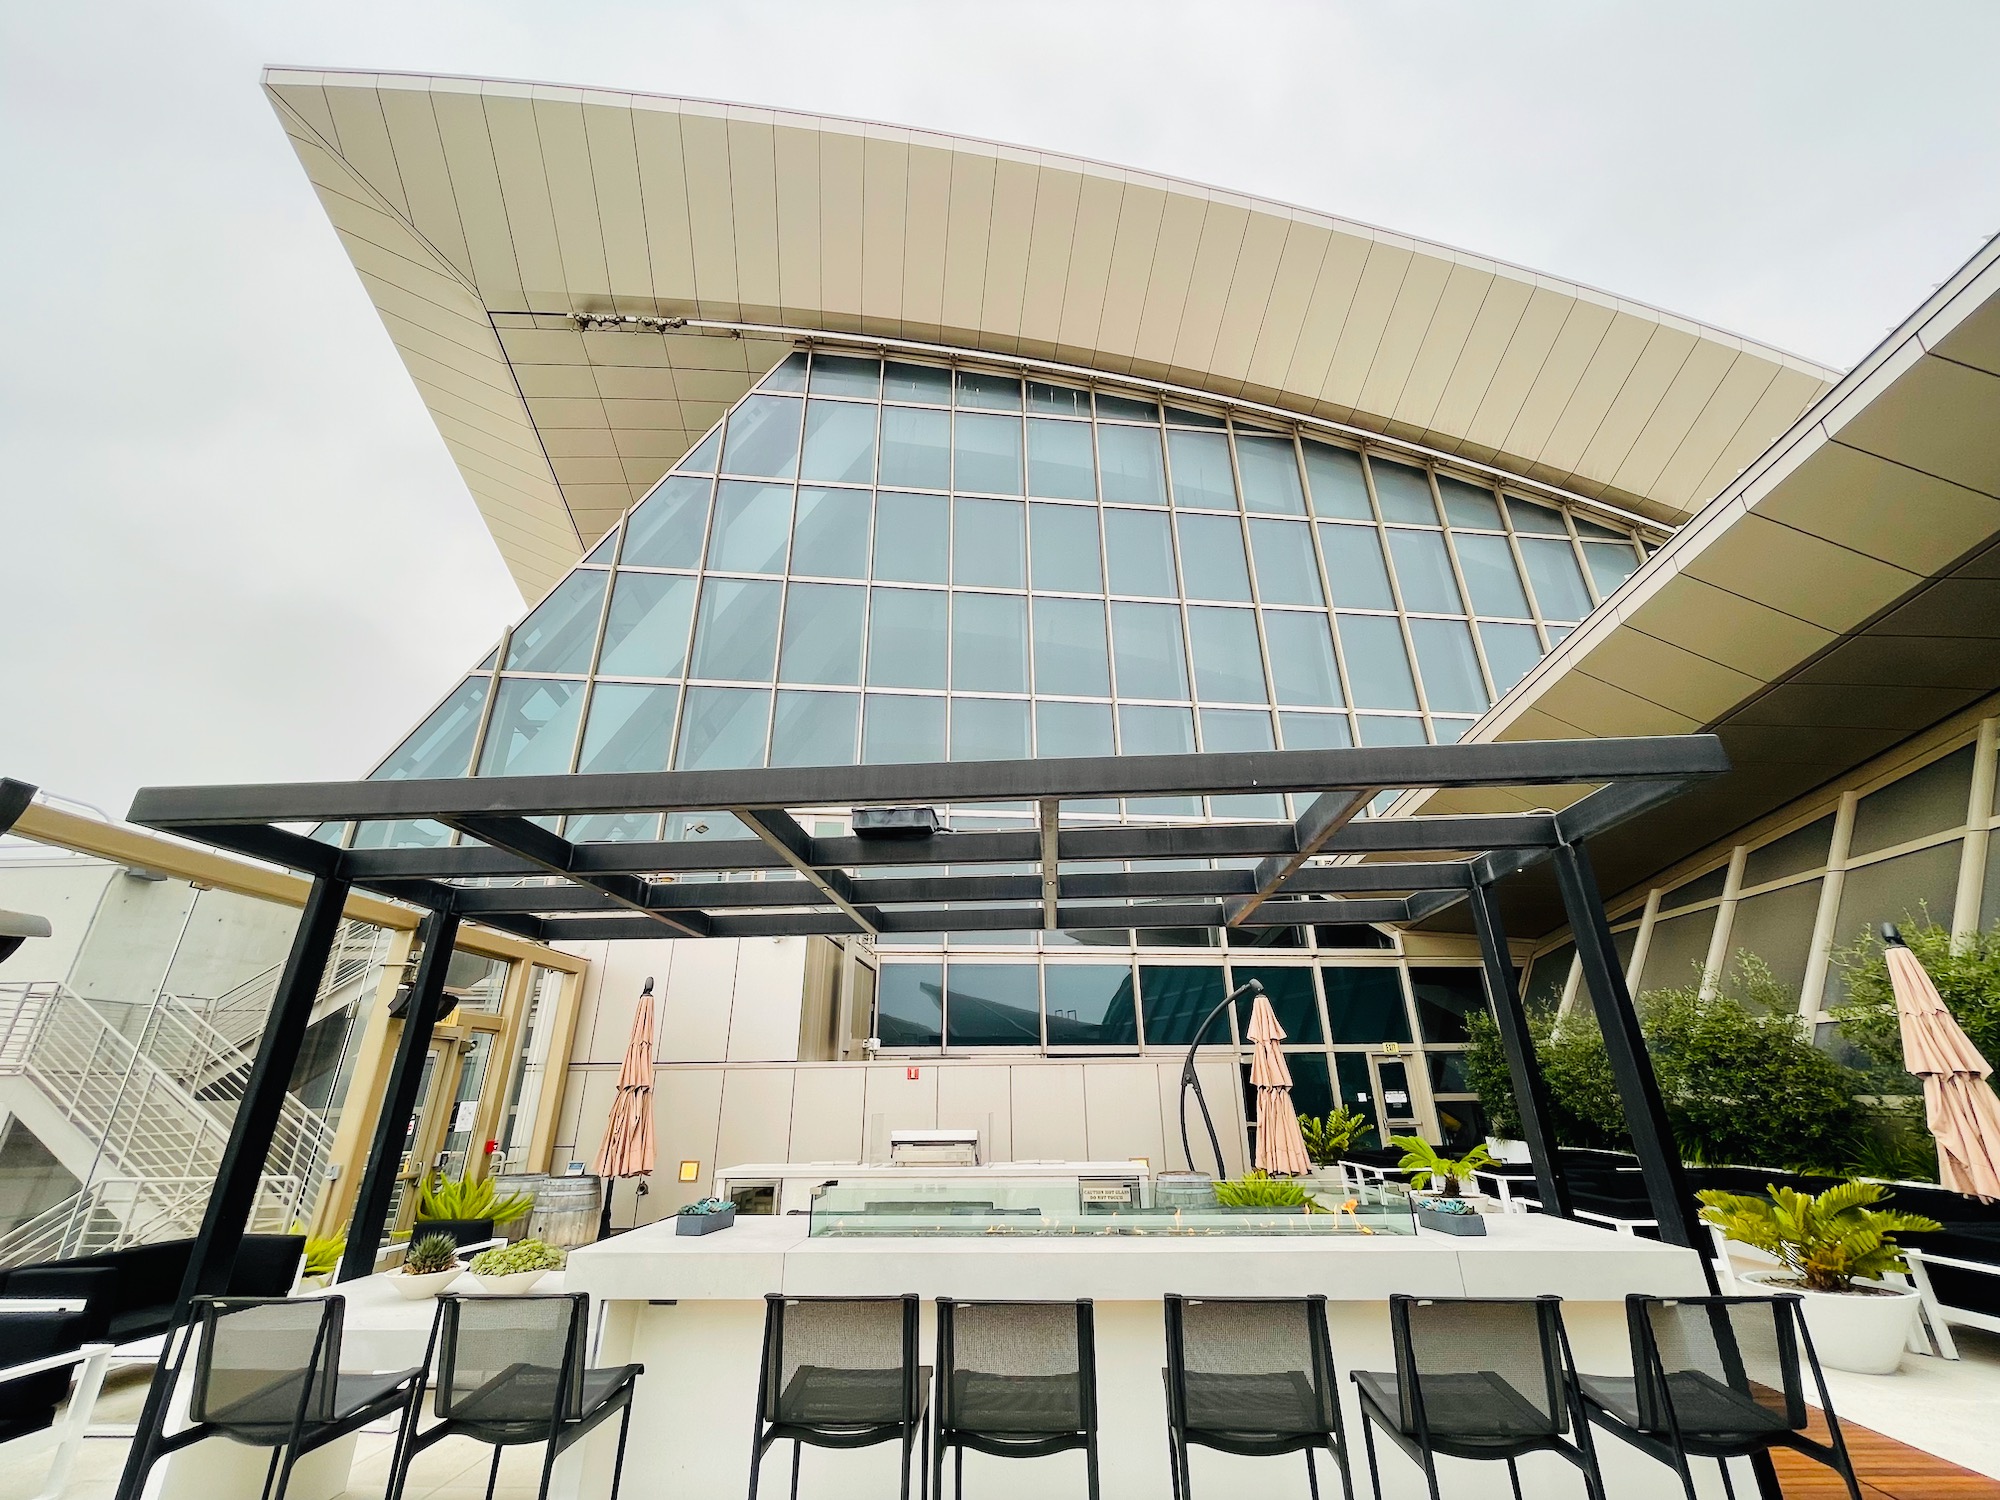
129	1294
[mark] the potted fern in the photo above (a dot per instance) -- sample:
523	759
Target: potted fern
1441	1178
1827	1245
429	1266
1327	1139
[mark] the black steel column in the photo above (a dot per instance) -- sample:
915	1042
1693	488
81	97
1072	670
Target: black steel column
1625	1049
1531	1091
399	1098
213	1258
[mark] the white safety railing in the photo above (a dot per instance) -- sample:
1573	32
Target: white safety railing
115	1212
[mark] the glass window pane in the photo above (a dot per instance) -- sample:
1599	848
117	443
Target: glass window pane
989	643
1425	572
723	729
993	392
613	828
1511	652
1557	579
1449	731
1270	475
1490	575
1140	553
1450	667
1390	729
1338	490
1128	460
989	728
1365	1006
1468	505
822	641
1175	998
916	447
646	633
1287	572
830	534
1147	730
1228	666
1062	543
1200	462
988	454
906	638
630	727
533	729
992	1005
701	458
1184	416
1445	998
666	530
909	1002
1292	996
753	525
1611	563
1537	519
815	729
1378	669
1060	464
929	385
840	442
912	537
442	744
1240	729
1404	493
1315	731
1069	729
1059	400
1212	557
845	375
763	438
1355	570
987	546
1147	648
902	730
1069	648
1090	1005
1302	669
736	630
606	551
1126	409
560	633
788	375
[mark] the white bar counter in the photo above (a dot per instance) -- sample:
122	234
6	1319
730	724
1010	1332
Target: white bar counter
690	1308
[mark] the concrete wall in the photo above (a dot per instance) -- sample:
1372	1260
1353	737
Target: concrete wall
66	890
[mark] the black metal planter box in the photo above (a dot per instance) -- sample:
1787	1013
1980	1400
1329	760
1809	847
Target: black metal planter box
1472	1225
704	1223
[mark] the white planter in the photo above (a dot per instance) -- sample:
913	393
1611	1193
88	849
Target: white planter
1331	1179
1508	1151
511	1285
1864	1333
429	1284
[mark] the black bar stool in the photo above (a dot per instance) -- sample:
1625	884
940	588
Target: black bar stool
841	1372
1016	1380
511	1371
1479	1378
1720	1378
1252	1376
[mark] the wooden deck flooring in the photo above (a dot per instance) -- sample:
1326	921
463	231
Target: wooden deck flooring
1887	1469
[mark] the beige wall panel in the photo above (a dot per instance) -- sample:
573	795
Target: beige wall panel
1680	406
1121	1112
361	135
980	1098
1740	388
1937	416
687	1117
1897	514
885	225
1442	345
711	213
926	230
1410	318
361	218
637	384
1100	200
656	138
1746	634
753	195
1326	313
452	344
1244	307
1168	278
1669	675
1219	1085
1534	333
308	101
1284	313
796	158
1048	1111
1007	241
475	183
617	350
1637	403
827	1113
1218	253
564	411
1598	707
697	990
841	187
559	382
664	446
721	386
573	473
1608	381
1559	377
756	1122
634	412
900	1101
1360	334
574	196
1139	215
1485	350
967	224
524	191
620	206
586	1106
552	346
1815	580
1784	400
605	1011
770	982
1050	245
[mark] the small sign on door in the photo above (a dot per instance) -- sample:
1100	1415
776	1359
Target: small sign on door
461	1118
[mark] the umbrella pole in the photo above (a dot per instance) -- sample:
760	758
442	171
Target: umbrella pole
1191	1080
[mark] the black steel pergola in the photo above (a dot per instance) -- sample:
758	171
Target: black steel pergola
1332	864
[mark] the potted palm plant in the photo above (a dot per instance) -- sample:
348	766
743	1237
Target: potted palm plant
1827	1245
1441	1179
1327	1139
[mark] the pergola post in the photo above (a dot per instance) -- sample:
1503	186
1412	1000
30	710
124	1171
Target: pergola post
227	1216
1531	1090
399	1101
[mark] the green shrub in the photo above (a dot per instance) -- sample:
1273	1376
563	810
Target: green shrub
529	1255
1447	1173
1825	1240
1967	978
1583	1098
323	1253
1260	1190
1326	1139
445	1197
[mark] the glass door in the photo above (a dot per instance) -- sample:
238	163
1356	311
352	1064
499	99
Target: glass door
1396	1108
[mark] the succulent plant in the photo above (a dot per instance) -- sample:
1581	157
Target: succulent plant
432	1253
529	1255
701	1208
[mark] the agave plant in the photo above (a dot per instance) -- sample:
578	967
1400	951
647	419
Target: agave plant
1826	1240
1427	1167
323	1253
445	1197
1326	1139
432	1253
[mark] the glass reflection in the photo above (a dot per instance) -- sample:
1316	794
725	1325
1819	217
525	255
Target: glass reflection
1202	479
987	453
533	729
630	727
1128	462
1228	666
1060	463
830	534
736	630
900	729
753	526
822	638
558	634
1212	560
1286	570
1141	553
1062	548
1270	475
723	729
916	447
1146	648
666	530
646	632
762	439
815	729
989	643
840	443
989	728
987	545
906	638
442	744
912	538
1070	656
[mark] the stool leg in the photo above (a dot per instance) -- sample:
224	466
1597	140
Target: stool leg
1514	1478
1090	1462
798	1453
957	1475
618	1463
548	1468
1312	1475
493	1474
1368	1442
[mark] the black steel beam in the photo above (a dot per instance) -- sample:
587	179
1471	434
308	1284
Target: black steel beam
1512	763
557	855
1329	813
794	846
14	799
1531	1090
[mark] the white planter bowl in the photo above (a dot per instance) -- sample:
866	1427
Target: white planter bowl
1864	1334
510	1285
416	1288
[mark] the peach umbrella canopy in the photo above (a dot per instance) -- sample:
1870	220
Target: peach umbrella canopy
1280	1147
1960	1106
628	1135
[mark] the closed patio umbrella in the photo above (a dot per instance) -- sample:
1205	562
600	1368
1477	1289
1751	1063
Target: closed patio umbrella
1280	1147
1961	1108
628	1135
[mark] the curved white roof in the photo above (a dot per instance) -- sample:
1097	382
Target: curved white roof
483	216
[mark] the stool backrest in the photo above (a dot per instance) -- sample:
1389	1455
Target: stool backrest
1480	1366
265	1362
1718	1365
1212	1339
839	1360
507	1360
1017	1367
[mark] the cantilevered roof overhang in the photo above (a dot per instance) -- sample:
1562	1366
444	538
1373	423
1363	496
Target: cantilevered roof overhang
484	217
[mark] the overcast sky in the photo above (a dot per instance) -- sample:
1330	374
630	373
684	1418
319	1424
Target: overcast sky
232	546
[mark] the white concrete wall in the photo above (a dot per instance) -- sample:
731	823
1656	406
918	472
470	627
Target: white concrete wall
67	892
